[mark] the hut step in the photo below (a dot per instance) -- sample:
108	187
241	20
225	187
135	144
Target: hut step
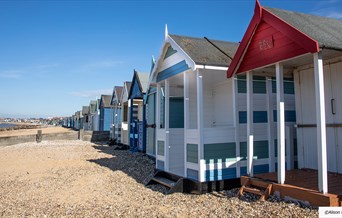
253	191
173	182
257	187
164	181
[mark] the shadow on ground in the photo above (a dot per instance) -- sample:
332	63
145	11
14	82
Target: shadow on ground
141	168
136	165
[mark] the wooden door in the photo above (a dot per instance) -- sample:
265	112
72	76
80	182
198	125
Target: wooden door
336	112
307	117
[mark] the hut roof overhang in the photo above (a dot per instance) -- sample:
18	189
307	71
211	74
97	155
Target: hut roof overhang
274	35
198	53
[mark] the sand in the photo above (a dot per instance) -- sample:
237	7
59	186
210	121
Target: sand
45	129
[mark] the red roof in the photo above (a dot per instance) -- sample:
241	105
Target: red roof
268	40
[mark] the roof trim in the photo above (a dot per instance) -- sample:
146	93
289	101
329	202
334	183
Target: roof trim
210	67
125	89
261	14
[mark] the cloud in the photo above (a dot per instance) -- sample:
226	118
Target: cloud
328	8
103	64
332	14
91	93
11	74
46	66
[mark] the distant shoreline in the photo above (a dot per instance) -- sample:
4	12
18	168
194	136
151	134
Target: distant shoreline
18	123
7	125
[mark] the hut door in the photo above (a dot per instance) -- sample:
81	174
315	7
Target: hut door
335	110
151	128
176	139
307	117
134	135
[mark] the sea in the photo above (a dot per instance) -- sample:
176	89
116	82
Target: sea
6	125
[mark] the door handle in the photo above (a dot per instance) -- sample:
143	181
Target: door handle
333	106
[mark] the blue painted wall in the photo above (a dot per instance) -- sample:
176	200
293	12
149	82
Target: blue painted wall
105	118
220	174
256	169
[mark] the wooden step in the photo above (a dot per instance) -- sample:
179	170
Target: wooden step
164	181
253	191
257	187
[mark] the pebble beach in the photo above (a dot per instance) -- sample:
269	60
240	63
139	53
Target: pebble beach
83	179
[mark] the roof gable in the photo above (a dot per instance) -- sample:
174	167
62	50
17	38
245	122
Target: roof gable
135	91
189	52
170	51
125	91
116	97
92	106
269	39
139	85
85	110
105	101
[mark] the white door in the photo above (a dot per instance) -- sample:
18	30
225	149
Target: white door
308	117
336	112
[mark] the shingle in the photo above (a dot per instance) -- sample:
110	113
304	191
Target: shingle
326	31
203	52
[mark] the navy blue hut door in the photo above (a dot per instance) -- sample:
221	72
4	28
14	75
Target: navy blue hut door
133	136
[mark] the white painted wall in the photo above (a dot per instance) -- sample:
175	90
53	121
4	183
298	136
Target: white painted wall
192	101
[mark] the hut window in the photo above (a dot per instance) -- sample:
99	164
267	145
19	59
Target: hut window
162	107
241	83
259	85
288	86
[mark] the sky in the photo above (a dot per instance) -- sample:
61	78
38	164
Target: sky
56	56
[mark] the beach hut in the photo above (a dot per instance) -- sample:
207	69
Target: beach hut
96	116
150	114
72	123
278	42
125	113
116	117
136	118
105	113
92	112
81	120
86	114
201	115
190	79
77	120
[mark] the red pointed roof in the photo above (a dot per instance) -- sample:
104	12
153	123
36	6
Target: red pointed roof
269	39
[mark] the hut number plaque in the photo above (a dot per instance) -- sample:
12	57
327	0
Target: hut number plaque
266	43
